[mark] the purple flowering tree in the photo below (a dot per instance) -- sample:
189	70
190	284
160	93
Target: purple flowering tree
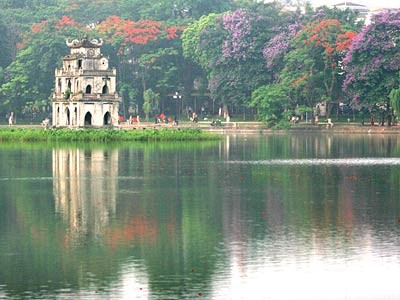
275	49
239	40
229	49
238	71
373	62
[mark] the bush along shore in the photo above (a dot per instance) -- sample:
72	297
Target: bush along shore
104	135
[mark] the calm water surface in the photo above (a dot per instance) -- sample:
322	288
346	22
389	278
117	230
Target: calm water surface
249	217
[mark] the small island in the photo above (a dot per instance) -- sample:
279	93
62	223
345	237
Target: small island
104	135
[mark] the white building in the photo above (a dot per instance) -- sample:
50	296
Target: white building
85	88
361	9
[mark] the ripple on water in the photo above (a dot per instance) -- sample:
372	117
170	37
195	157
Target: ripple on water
328	161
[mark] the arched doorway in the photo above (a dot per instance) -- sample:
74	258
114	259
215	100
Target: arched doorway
107	119
67	113
88	119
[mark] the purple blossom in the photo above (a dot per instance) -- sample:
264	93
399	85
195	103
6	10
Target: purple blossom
238	41
279	45
320	15
374	54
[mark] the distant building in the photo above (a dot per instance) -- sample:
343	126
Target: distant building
85	88
361	9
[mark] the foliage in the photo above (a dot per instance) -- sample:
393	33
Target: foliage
271	102
235	47
103	135
5	49
168	10
129	96
27	85
373	61
148	53
348	18
313	68
129	31
150	101
229	49
394	97
277	47
192	41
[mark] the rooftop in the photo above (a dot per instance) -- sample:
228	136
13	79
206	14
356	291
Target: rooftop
84	43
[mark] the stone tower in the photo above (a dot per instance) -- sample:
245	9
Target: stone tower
85	88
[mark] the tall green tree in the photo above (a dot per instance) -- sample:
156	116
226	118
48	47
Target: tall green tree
6	47
271	101
229	49
394	97
150	102
29	79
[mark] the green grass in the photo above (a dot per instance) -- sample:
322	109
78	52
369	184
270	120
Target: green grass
103	135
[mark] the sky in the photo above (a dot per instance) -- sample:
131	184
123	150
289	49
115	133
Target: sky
369	3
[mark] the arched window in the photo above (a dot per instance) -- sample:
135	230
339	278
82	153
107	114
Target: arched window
88	119
107	119
68	116
59	85
105	89
88	89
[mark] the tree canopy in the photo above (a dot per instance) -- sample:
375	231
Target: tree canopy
213	52
373	62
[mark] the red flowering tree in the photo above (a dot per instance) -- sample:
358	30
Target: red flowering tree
126	32
313	69
144	48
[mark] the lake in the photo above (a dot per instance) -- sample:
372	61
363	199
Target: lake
280	216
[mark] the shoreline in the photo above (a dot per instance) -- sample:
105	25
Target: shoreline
248	128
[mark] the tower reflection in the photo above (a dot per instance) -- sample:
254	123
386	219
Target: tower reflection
84	186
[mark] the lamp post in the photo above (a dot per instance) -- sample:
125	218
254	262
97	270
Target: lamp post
177	97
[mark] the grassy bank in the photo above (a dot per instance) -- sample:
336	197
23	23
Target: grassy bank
104	135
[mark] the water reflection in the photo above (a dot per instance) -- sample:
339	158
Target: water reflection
85	187
275	217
